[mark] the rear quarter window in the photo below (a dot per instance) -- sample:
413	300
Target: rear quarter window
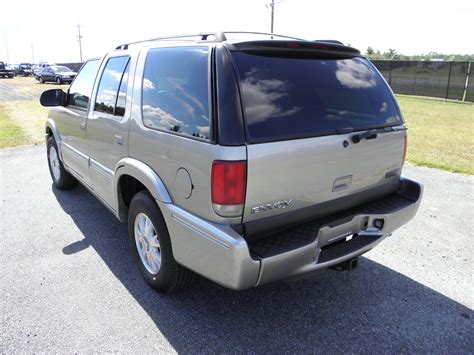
286	98
176	91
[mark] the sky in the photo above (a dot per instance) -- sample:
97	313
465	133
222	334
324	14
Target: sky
47	30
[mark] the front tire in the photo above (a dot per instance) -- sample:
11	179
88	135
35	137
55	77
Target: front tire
59	81
41	81
61	178
151	246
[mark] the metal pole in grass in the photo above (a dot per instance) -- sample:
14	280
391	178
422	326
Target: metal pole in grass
466	83
390	69
390	73
449	79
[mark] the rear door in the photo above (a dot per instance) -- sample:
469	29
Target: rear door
47	74
321	127
107	125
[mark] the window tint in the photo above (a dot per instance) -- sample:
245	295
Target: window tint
175	90
109	86
288	98
81	88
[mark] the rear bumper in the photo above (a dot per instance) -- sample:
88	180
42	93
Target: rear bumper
221	254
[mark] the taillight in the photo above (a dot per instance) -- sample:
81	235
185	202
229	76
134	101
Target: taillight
228	185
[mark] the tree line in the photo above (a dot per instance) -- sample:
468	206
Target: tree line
392	54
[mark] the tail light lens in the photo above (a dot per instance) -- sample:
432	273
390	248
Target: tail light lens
228	185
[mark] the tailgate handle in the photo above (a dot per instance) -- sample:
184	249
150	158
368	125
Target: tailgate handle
356	138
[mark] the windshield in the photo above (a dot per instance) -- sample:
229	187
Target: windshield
287	98
60	69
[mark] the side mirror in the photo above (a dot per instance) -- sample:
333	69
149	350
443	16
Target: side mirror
53	97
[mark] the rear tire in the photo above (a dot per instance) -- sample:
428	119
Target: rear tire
41	81
151	246
61	178
59	81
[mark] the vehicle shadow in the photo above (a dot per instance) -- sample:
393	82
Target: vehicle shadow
372	309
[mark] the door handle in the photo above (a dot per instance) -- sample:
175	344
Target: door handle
83	126
118	139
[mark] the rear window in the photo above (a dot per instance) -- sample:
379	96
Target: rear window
286	98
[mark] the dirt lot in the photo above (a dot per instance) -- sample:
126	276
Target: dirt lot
24	89
19	102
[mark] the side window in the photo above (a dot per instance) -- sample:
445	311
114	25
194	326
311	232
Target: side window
81	88
176	90
114	77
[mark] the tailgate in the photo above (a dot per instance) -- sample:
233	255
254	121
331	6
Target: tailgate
290	175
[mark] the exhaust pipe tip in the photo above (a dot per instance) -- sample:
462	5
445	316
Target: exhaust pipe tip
348	265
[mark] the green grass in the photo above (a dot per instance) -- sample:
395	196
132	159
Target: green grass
11	134
440	133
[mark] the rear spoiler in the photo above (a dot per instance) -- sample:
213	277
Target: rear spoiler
329	47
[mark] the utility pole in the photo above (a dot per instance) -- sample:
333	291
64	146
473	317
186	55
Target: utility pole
79	40
272	6
6	50
32	54
273	10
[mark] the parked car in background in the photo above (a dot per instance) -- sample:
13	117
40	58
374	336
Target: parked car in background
37	68
5	71
56	73
23	69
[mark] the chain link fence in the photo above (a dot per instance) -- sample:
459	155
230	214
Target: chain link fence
448	80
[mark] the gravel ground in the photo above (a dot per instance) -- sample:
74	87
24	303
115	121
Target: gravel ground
24	88
68	283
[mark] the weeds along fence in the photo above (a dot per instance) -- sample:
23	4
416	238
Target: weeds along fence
448	80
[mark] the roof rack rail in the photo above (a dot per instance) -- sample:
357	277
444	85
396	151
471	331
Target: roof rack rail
263	33
219	37
204	36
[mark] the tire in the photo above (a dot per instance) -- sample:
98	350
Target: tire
167	275
61	178
59	81
41	80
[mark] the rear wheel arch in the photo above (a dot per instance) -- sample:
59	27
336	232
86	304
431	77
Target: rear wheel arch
133	176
